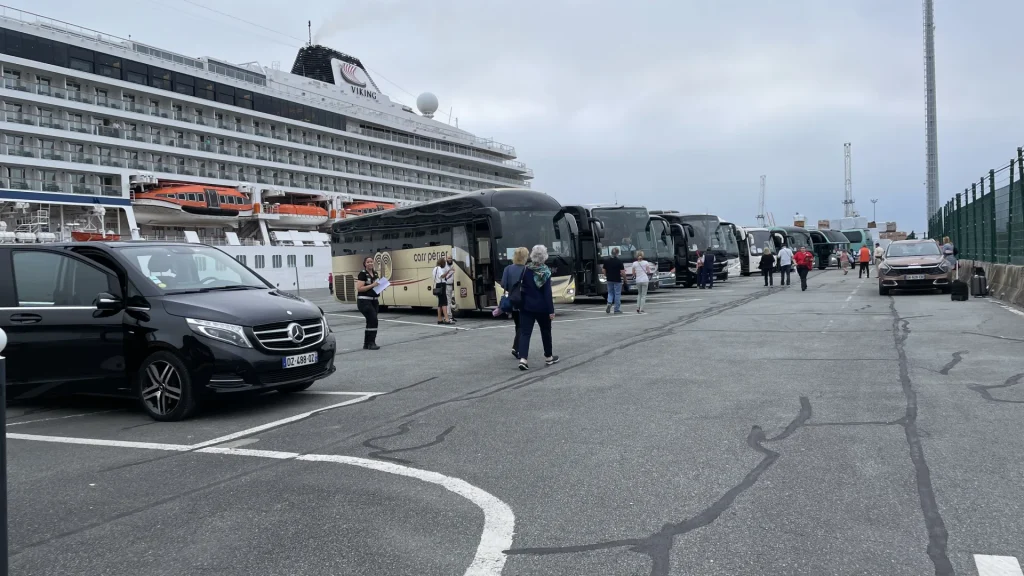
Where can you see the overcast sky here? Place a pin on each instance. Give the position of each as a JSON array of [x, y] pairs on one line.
[[677, 104]]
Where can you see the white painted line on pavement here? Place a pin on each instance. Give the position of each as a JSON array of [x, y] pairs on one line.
[[499, 521], [99, 442], [333, 393], [62, 417], [426, 324], [1012, 309], [281, 422], [997, 565]]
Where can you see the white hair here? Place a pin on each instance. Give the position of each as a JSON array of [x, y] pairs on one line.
[[539, 254]]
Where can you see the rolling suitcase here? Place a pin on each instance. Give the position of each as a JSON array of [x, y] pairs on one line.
[[979, 283], [958, 289]]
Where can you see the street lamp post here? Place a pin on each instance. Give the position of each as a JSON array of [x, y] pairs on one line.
[[873, 216]]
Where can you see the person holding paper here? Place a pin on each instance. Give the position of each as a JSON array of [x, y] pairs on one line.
[[367, 303]]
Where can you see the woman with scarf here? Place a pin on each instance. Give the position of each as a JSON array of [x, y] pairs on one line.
[[538, 307]]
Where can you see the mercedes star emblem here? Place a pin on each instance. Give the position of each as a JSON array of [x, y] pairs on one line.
[[296, 333]]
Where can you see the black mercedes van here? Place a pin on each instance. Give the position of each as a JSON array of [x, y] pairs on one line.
[[168, 323]]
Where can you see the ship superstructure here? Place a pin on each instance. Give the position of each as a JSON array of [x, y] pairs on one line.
[[159, 140]]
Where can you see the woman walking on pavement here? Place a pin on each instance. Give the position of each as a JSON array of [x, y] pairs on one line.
[[441, 291], [844, 261], [767, 267], [366, 302], [538, 307], [513, 272], [804, 262], [642, 275]]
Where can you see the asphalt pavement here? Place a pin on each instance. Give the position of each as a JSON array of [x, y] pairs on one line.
[[734, 431]]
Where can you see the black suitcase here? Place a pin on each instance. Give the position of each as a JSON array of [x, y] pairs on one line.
[[958, 291], [979, 283]]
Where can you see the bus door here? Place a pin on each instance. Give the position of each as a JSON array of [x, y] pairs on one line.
[[587, 243]]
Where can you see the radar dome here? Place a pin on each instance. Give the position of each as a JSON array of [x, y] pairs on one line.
[[427, 103]]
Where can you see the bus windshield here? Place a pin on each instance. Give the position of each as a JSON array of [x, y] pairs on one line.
[[732, 247], [627, 229], [527, 228], [799, 238], [707, 233], [662, 240], [759, 240]]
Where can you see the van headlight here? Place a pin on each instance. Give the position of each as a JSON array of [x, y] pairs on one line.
[[230, 333], [323, 320]]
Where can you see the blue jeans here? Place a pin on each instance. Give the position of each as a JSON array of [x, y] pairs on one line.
[[615, 295]]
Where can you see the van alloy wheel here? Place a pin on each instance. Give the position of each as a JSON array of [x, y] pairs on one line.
[[162, 387]]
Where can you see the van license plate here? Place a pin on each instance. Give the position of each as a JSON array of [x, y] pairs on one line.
[[915, 276], [299, 360]]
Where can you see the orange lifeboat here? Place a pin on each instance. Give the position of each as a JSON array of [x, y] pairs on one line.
[[180, 204], [94, 237]]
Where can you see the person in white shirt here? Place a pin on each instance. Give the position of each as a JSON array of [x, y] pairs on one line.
[[785, 265], [450, 288], [441, 291], [642, 274], [879, 254]]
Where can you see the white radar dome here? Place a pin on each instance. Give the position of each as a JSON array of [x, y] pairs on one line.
[[427, 104]]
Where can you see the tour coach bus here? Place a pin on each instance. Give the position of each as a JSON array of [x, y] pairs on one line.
[[479, 229], [603, 227]]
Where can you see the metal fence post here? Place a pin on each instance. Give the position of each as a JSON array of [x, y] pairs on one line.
[[975, 254], [958, 237], [3, 455], [1009, 218], [992, 214]]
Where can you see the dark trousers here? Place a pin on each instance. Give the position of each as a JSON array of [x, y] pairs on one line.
[[707, 276], [526, 320], [769, 277], [864, 269], [515, 339], [368, 308], [786, 273], [803, 276]]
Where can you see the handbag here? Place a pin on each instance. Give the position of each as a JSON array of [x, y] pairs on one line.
[[515, 293], [440, 289]]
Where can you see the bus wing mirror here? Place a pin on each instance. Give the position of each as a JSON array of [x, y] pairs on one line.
[[678, 231], [570, 220], [690, 231], [598, 227], [493, 219]]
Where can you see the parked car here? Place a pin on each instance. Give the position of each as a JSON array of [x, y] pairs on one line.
[[914, 265], [170, 324]]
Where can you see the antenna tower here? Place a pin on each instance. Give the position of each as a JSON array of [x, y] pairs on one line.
[[760, 204], [309, 30], [931, 126], [848, 210]]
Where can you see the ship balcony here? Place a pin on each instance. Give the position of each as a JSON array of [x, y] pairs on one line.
[[30, 184]]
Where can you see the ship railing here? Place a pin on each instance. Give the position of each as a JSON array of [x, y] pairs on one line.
[[117, 132], [59, 186]]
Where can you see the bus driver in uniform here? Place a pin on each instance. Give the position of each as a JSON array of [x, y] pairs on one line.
[[367, 302]]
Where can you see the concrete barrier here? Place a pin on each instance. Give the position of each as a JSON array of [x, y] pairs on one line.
[[1005, 281]]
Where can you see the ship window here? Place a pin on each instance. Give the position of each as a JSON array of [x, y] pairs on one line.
[[260, 261], [241, 259], [309, 260], [291, 260], [80, 65], [193, 197], [184, 89], [136, 78], [276, 260]]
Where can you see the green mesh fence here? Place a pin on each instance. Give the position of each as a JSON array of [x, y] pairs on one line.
[[986, 221]]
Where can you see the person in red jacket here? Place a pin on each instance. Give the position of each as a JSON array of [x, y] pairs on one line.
[[804, 262]]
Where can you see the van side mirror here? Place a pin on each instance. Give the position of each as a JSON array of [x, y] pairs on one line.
[[108, 302]]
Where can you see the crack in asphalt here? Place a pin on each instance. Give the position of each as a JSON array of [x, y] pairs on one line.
[[957, 357], [382, 453], [937, 535], [984, 390], [658, 546]]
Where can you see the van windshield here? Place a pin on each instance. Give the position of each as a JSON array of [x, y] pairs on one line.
[[190, 268]]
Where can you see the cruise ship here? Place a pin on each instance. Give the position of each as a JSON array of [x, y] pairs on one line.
[[103, 137]]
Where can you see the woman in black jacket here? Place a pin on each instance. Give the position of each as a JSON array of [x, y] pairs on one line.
[[767, 265]]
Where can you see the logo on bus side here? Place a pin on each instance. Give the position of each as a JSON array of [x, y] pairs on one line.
[[382, 263]]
